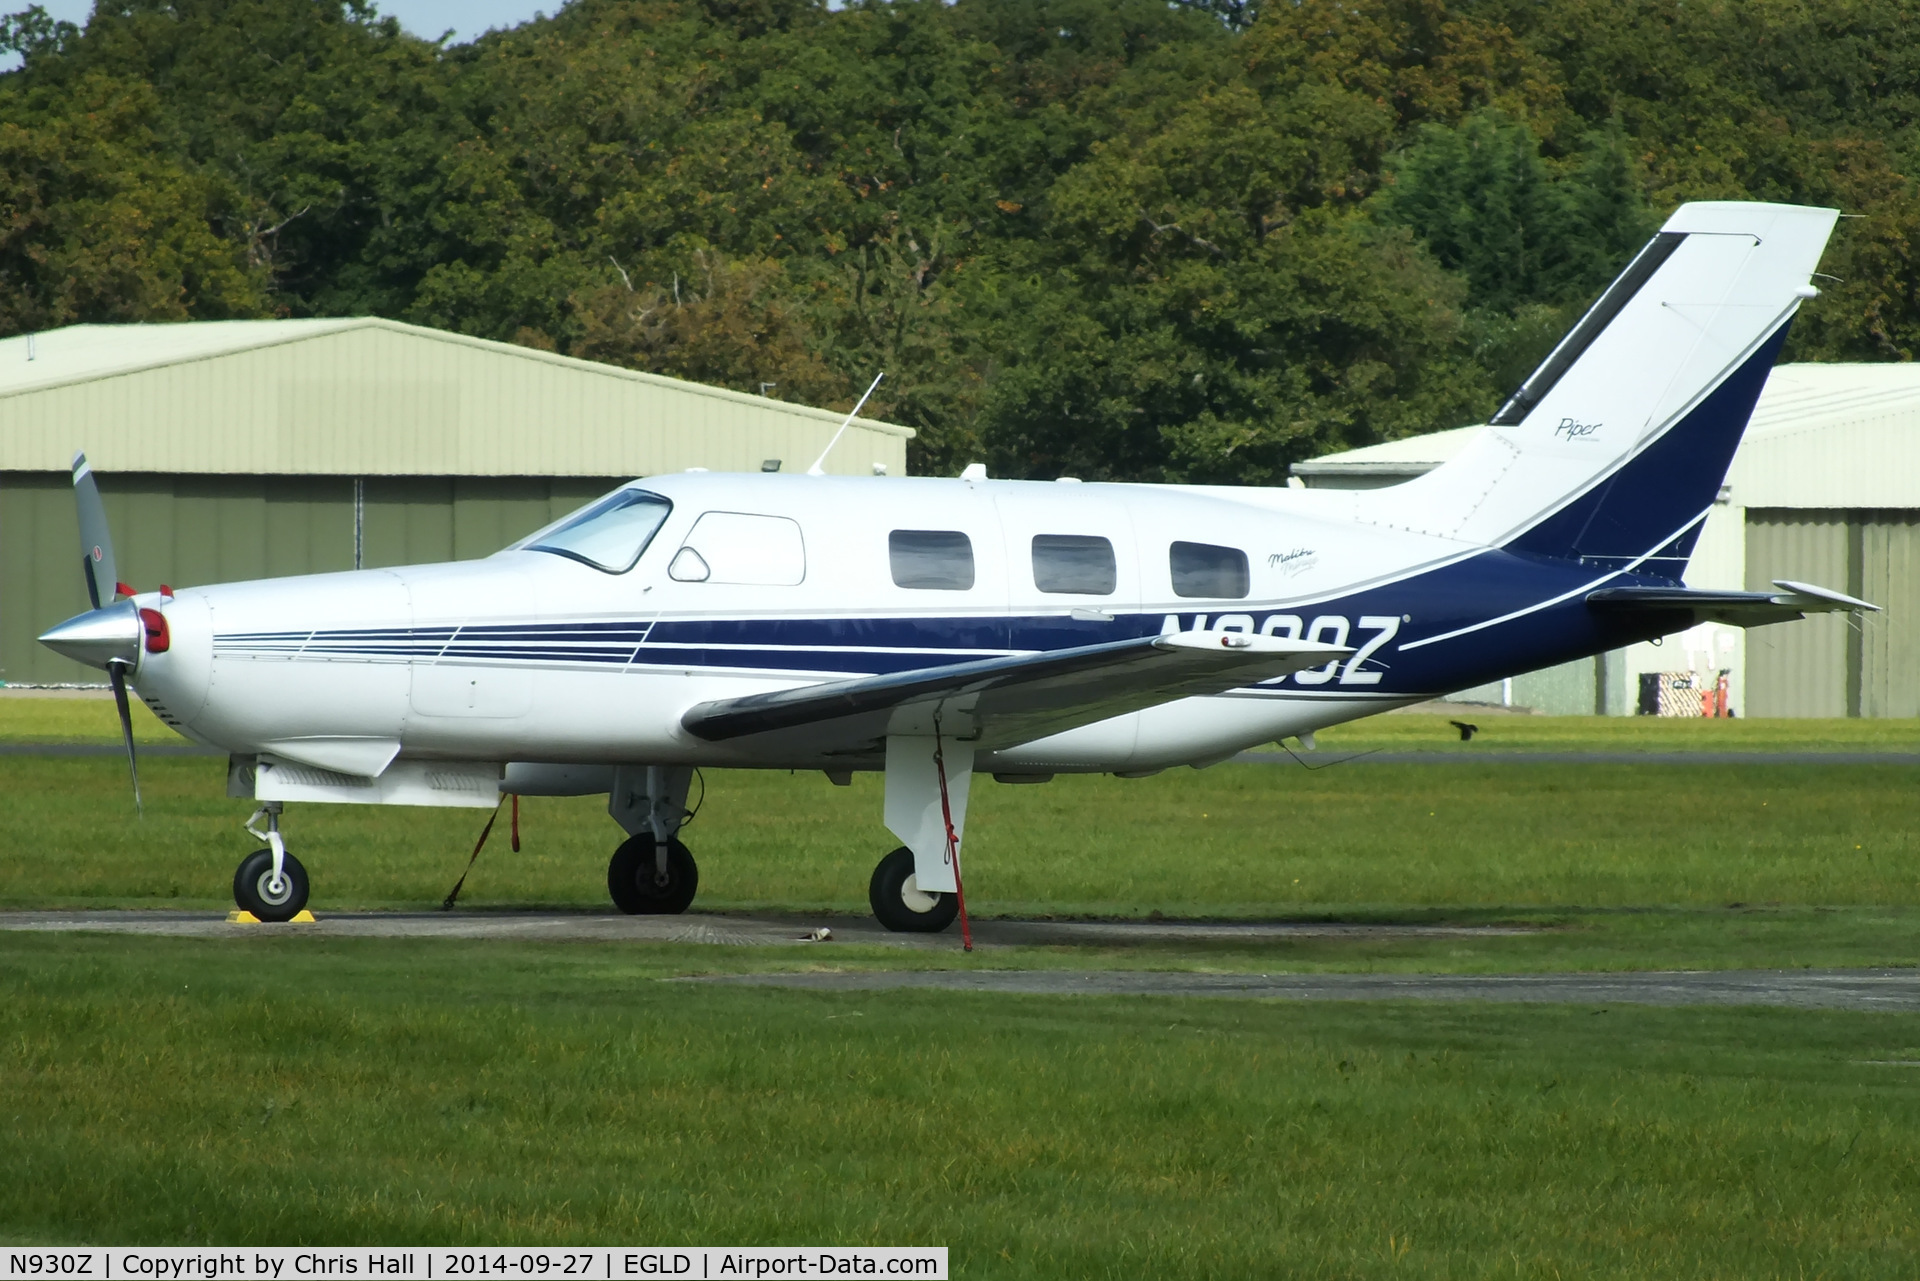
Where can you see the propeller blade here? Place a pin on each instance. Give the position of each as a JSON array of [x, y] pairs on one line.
[[96, 543], [117, 673]]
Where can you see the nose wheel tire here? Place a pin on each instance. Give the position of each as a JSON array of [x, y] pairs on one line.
[[254, 889], [901, 905], [634, 881]]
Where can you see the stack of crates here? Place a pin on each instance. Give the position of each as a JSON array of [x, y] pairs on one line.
[[1683, 694]]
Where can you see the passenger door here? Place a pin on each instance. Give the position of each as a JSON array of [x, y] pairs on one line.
[[1068, 552]]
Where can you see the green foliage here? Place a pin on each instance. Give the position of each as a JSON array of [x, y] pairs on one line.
[[1536, 243], [33, 33], [1113, 239], [1487, 206], [98, 223]]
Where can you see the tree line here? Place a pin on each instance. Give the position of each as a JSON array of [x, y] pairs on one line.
[[1107, 238]]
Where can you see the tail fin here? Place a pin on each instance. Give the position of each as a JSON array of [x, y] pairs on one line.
[[1613, 451]]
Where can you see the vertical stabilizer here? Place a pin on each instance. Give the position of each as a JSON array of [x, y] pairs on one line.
[[1613, 451]]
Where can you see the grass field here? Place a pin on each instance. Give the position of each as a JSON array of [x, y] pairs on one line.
[[248, 1089], [1709, 866], [183, 1091], [1704, 866], [1501, 732]]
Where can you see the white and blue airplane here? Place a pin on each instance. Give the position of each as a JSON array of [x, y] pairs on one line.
[[939, 628]]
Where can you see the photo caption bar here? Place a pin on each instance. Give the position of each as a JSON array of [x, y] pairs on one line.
[[419, 1263]]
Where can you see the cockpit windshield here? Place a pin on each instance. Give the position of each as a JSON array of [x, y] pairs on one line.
[[610, 535]]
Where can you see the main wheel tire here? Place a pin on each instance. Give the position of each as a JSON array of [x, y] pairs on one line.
[[633, 878], [253, 889], [901, 905]]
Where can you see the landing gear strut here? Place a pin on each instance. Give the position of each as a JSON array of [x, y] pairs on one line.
[[916, 889], [270, 883], [652, 873]]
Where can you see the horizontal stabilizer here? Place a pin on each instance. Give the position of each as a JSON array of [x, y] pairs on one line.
[[1736, 609], [1001, 702]]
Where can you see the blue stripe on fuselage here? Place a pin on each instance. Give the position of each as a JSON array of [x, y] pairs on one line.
[[1441, 601]]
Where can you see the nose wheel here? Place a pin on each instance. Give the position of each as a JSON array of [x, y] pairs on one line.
[[256, 890], [901, 905], [651, 874], [270, 883], [644, 884]]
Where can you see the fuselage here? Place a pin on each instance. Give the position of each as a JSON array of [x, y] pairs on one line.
[[532, 655]]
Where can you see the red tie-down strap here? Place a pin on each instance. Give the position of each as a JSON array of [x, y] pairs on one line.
[[953, 841]]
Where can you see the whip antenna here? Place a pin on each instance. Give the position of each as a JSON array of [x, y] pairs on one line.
[[815, 469]]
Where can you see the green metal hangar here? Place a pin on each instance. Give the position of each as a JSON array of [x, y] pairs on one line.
[[246, 449], [1825, 489]]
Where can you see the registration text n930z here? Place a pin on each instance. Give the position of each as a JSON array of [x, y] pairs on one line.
[[74, 1263]]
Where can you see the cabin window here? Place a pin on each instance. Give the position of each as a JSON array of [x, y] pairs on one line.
[[1213, 573], [610, 535], [932, 559], [741, 548], [1076, 564]]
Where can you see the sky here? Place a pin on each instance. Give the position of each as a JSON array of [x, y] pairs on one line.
[[466, 18]]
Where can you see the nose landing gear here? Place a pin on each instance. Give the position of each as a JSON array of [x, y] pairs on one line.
[[270, 883], [643, 883], [652, 873]]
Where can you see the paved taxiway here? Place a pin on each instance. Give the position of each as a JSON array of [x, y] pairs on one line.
[[1880, 990], [736, 929]]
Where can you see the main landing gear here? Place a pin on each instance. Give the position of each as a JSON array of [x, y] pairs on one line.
[[901, 905], [916, 889], [652, 873], [270, 883]]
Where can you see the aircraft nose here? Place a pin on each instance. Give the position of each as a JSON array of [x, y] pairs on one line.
[[98, 637]]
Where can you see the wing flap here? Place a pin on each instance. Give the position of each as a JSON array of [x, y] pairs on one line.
[[1000, 702]]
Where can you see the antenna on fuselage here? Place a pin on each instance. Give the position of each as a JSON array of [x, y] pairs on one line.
[[815, 469]]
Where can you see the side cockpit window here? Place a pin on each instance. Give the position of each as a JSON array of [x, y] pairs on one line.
[[1074, 564], [610, 535], [741, 548], [931, 559], [1207, 572]]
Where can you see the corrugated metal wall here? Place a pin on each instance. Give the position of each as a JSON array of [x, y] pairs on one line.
[[1888, 642], [1797, 669], [1831, 664], [1567, 689], [183, 530]]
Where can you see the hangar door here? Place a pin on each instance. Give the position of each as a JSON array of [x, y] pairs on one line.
[[1834, 665]]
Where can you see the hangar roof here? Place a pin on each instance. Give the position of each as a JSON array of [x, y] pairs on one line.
[[1823, 435], [370, 397]]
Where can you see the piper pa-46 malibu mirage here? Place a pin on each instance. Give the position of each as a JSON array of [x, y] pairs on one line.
[[935, 628]]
